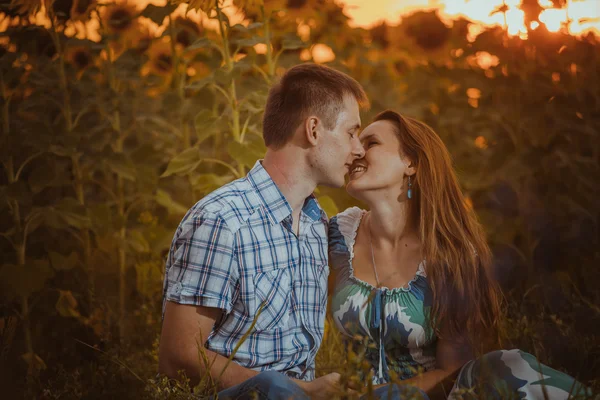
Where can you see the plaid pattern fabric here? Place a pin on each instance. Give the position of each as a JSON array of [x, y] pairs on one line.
[[235, 250]]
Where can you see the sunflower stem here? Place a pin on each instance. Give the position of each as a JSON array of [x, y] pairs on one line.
[[270, 60], [122, 235], [77, 171], [178, 84], [25, 310], [229, 64], [62, 76]]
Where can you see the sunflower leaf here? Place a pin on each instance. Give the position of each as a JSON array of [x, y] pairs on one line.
[[184, 162], [248, 42], [293, 44], [158, 13], [199, 44]]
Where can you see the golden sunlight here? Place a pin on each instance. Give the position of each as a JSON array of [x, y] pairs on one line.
[[583, 15], [578, 17]]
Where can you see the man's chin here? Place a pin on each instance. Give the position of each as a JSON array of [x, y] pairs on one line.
[[334, 183]]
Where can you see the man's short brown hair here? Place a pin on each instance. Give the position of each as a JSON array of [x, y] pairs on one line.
[[303, 90]]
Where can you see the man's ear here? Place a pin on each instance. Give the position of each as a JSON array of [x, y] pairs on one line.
[[312, 129]]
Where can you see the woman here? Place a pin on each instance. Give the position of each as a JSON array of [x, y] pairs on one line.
[[413, 275]]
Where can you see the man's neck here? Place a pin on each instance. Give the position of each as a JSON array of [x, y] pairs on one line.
[[289, 173]]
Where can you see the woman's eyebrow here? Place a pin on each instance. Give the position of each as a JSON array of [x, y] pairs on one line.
[[367, 136]]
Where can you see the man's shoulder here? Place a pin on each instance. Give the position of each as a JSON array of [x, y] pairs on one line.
[[230, 203]]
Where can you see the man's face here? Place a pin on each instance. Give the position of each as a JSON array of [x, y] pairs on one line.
[[339, 146]]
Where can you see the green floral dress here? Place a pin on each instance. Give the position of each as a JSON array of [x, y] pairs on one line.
[[394, 323]]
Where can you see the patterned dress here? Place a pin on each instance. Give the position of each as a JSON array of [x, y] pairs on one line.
[[394, 322]]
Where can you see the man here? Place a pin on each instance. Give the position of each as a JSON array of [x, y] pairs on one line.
[[255, 250]]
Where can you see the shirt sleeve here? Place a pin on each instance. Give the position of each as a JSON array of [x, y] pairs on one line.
[[201, 267]]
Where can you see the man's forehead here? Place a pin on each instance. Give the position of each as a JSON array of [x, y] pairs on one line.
[[351, 111]]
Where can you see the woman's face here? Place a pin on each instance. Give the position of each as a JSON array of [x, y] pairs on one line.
[[383, 168]]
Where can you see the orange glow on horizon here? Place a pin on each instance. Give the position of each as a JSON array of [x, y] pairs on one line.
[[584, 15]]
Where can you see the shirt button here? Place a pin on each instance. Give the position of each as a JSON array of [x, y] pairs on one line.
[[177, 288]]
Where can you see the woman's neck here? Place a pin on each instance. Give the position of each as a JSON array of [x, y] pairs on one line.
[[390, 224]]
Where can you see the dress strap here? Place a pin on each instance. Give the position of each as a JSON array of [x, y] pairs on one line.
[[377, 323]]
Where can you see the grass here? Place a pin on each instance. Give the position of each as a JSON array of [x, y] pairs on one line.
[[565, 339]]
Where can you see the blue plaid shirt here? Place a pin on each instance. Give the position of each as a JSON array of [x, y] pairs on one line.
[[236, 250]]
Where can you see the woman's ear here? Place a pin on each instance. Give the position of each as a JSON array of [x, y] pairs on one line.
[[311, 129], [410, 167]]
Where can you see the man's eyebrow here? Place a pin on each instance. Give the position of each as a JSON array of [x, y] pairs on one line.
[[355, 127]]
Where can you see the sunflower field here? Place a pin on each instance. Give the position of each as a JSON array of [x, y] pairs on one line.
[[118, 116]]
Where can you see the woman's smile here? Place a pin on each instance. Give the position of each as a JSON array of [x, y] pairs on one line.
[[356, 170]]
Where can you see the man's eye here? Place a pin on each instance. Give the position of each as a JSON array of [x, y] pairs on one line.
[[352, 134]]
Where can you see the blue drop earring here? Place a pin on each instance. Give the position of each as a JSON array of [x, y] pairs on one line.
[[409, 192]]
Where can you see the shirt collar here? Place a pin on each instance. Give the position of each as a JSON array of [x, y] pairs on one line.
[[274, 202], [313, 209]]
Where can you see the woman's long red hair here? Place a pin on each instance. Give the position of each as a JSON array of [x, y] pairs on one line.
[[467, 301]]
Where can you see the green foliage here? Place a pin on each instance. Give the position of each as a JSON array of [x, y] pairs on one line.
[[107, 143]]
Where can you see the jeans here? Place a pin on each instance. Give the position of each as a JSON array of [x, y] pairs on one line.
[[397, 392], [272, 385], [268, 385]]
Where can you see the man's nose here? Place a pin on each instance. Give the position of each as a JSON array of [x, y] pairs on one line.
[[358, 151]]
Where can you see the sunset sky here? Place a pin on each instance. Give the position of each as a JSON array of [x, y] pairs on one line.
[[584, 14], [367, 12]]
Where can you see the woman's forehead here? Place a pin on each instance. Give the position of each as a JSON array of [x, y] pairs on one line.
[[380, 128]]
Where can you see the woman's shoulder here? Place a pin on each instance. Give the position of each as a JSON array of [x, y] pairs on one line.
[[347, 219], [349, 214], [343, 227]]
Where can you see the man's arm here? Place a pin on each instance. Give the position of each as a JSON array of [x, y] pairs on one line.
[[200, 271], [185, 329]]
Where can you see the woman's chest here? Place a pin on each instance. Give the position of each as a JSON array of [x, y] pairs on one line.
[[398, 317], [381, 267]]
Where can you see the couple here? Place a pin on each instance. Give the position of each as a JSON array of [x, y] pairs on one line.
[[248, 269]]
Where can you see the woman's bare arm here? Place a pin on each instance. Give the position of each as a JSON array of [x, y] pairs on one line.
[[451, 355]]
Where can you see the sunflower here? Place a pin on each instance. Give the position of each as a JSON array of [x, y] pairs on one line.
[[143, 42], [303, 9], [203, 5], [197, 70], [80, 57], [120, 19], [62, 9], [330, 25], [81, 9], [252, 8], [160, 57], [426, 29], [380, 36], [74, 10], [187, 31], [22, 8]]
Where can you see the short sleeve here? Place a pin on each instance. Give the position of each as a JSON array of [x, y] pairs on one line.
[[201, 268], [337, 244]]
